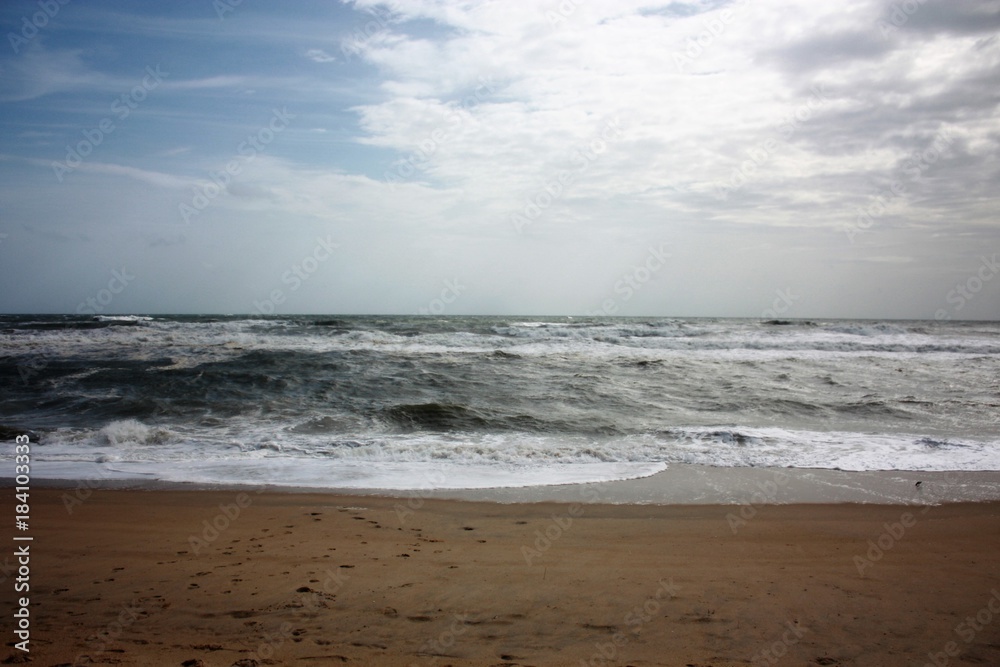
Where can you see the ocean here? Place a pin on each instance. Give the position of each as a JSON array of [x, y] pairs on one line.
[[419, 402]]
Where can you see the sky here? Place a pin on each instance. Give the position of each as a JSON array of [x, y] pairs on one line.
[[752, 158]]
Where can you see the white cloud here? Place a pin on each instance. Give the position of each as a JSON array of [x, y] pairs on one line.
[[751, 135], [319, 56], [690, 128]]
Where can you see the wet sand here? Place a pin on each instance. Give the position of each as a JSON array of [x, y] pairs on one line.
[[158, 577]]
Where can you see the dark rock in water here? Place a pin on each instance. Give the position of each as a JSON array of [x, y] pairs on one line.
[[328, 323], [730, 437], [786, 323], [9, 433], [500, 354]]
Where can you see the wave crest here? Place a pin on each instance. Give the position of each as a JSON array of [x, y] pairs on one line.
[[132, 432]]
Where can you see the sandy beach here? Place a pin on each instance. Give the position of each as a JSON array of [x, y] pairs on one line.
[[132, 577]]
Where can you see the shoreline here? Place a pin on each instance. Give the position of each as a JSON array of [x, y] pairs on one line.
[[136, 577], [679, 484]]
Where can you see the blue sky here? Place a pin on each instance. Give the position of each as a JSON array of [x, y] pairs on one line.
[[743, 158]]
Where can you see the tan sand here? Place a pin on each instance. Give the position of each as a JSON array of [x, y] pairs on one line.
[[330, 580]]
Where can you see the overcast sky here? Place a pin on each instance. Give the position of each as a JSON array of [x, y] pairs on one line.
[[704, 158]]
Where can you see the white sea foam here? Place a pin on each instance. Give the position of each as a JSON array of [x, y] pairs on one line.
[[122, 318], [199, 342], [455, 461], [131, 432]]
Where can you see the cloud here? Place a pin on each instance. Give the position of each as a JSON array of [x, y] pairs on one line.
[[955, 17], [687, 135], [319, 56], [38, 72], [179, 150], [748, 137], [208, 83]]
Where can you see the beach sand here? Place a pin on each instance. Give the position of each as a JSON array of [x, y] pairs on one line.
[[142, 577]]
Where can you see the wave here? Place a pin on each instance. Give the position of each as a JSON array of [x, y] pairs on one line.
[[506, 396], [210, 338], [123, 319], [132, 432], [872, 329], [725, 446]]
